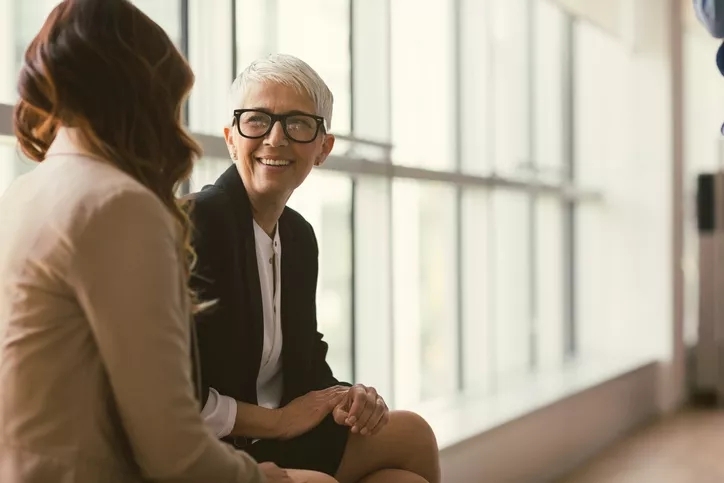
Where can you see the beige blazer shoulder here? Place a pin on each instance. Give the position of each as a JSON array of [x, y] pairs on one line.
[[94, 335]]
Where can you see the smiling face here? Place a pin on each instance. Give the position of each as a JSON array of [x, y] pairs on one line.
[[273, 166]]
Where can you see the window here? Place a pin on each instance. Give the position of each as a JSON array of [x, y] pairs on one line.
[[511, 72], [325, 200], [601, 104], [443, 268], [206, 171], [511, 268], [423, 118], [549, 272], [549, 84], [477, 128], [373, 294], [20, 22], [478, 347], [166, 13], [425, 291], [623, 247], [210, 56]]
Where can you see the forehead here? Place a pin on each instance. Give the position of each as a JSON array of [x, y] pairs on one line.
[[277, 98]]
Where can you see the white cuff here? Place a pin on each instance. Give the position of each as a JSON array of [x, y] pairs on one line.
[[219, 413]]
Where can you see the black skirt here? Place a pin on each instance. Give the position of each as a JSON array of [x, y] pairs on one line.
[[321, 449]]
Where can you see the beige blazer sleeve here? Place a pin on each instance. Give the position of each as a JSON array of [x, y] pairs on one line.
[[126, 274]]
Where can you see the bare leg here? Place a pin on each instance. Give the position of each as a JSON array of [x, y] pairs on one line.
[[406, 443], [306, 476], [393, 476]]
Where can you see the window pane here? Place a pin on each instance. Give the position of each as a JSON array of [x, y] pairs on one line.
[[373, 284], [206, 171], [20, 22], [371, 69], [511, 282], [548, 90], [166, 13], [210, 57], [325, 200], [592, 309], [22, 19], [424, 290], [478, 341], [423, 121], [549, 270], [265, 27], [602, 85], [510, 85], [477, 131]]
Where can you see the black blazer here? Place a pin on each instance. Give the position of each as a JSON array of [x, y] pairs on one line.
[[230, 334]]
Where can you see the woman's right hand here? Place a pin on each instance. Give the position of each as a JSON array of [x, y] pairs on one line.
[[274, 474], [306, 412]]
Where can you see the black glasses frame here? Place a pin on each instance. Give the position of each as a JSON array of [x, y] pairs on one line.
[[281, 118]]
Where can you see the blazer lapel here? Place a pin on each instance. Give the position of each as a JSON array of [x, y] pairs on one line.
[[253, 321]]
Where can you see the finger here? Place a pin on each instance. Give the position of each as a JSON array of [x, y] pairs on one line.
[[336, 400], [383, 420], [369, 410], [375, 418], [372, 423], [359, 400], [340, 415], [330, 391]]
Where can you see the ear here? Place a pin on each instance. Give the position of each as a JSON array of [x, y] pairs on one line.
[[228, 137], [327, 145]]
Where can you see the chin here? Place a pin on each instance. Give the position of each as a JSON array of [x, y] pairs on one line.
[[274, 190]]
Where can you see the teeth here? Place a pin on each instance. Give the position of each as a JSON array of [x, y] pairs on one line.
[[275, 162]]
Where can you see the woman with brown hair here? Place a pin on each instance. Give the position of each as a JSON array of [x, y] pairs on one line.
[[95, 374]]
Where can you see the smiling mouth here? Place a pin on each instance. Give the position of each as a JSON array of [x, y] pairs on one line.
[[277, 163]]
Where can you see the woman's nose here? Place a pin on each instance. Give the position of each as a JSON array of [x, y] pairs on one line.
[[276, 136]]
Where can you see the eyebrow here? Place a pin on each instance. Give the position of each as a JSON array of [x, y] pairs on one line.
[[292, 112]]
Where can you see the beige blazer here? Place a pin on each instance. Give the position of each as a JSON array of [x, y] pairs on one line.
[[95, 372]]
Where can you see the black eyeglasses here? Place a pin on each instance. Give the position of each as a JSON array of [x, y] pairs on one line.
[[299, 127]]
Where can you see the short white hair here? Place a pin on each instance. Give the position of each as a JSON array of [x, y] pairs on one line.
[[286, 70]]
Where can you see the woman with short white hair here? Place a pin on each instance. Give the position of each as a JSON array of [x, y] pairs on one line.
[[267, 386]]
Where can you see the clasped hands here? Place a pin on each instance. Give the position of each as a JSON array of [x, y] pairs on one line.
[[358, 407]]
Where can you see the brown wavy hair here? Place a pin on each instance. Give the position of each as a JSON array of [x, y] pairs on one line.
[[105, 69]]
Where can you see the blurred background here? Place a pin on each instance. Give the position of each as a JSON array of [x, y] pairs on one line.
[[507, 224]]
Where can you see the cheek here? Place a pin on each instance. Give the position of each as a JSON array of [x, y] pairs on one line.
[[306, 154], [247, 147]]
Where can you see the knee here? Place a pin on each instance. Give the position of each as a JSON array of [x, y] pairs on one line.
[[305, 476], [421, 452], [416, 431], [324, 478]]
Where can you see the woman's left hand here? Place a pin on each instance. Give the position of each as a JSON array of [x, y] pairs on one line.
[[363, 410]]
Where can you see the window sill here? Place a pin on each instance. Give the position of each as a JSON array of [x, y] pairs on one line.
[[467, 416]]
